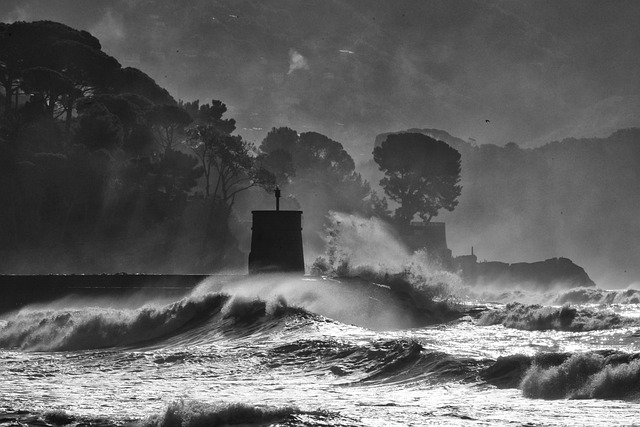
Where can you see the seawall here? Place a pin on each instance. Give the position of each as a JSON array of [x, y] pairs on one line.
[[16, 291]]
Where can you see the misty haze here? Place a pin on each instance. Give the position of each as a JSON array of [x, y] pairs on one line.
[[339, 212]]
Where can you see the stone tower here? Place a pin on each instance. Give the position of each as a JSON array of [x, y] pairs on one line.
[[276, 241]]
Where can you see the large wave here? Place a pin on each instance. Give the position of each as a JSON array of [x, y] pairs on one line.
[[585, 376], [565, 318], [598, 296], [367, 249], [193, 318], [192, 413], [231, 308], [388, 304], [602, 374]]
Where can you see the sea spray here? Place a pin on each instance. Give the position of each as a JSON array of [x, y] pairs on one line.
[[368, 248], [97, 327], [357, 245], [357, 300], [354, 243]]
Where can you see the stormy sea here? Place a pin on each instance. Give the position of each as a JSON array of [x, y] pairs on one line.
[[387, 341]]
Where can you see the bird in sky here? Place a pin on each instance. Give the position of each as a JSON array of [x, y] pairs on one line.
[[487, 121]]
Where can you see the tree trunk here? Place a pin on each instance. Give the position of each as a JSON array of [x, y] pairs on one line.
[[68, 117], [8, 98]]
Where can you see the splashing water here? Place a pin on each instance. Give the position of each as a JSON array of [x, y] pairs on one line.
[[368, 248], [355, 243]]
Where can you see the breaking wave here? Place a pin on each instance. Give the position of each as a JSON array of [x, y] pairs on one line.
[[191, 319], [540, 318], [585, 376], [598, 296], [361, 247], [367, 250], [194, 413], [602, 374]]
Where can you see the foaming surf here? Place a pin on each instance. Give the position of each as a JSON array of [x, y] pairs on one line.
[[602, 374], [193, 319], [241, 306], [598, 296], [565, 318], [192, 413], [379, 303], [585, 376]]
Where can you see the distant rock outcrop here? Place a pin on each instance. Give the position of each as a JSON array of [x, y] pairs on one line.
[[543, 274]]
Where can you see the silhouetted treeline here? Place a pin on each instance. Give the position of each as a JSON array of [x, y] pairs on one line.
[[95, 173], [101, 170]]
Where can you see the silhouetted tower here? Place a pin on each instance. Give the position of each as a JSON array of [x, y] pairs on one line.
[[276, 241]]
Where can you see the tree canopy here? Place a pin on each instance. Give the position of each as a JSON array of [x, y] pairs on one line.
[[53, 63], [319, 174], [307, 154], [422, 175], [210, 114], [89, 149], [228, 161]]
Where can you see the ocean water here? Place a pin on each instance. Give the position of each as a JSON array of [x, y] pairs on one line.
[[312, 351]]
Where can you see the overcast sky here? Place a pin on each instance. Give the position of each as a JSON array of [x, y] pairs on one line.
[[537, 70]]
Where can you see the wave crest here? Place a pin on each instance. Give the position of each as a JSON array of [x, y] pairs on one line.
[[601, 374], [598, 296], [93, 327], [192, 413], [539, 318], [585, 376], [385, 361]]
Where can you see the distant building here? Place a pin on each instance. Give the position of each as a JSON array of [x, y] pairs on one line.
[[467, 267], [431, 237]]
